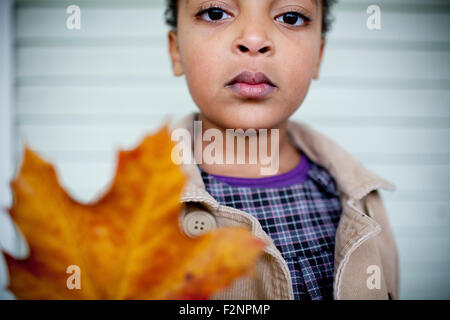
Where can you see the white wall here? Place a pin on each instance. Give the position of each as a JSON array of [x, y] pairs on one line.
[[6, 101], [81, 94]]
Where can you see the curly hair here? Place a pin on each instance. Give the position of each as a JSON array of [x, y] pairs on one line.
[[171, 13]]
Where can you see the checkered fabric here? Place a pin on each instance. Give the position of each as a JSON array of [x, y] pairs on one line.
[[301, 218]]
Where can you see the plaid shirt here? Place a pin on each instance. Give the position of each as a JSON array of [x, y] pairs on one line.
[[300, 211]]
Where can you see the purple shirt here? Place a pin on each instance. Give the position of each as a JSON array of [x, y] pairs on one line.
[[297, 175]]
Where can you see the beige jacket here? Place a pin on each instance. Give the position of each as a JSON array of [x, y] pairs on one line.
[[366, 257]]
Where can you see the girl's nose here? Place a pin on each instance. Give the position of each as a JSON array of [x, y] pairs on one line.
[[253, 49], [253, 41]]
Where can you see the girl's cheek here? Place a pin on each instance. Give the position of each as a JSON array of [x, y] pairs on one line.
[[299, 70], [201, 58]]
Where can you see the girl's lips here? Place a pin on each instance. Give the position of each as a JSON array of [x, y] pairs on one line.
[[257, 90]]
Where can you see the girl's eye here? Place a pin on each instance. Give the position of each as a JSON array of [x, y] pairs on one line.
[[213, 14], [293, 18]]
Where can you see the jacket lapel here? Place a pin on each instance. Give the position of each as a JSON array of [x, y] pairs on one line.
[[351, 176]]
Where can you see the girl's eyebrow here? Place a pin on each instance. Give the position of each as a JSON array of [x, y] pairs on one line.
[[314, 2]]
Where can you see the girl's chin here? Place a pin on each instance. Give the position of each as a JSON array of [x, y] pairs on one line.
[[255, 120]]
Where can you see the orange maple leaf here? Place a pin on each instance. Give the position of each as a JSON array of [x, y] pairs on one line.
[[128, 243]]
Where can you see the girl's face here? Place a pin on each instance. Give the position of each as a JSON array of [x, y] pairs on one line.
[[280, 38]]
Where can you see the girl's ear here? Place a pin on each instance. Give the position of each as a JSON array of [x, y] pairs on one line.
[[322, 47], [175, 56]]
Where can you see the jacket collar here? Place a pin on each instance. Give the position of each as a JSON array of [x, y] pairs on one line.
[[352, 178]]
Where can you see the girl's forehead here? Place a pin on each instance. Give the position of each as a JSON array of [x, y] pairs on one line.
[[314, 2]]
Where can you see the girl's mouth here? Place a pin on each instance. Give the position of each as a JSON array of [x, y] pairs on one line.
[[254, 91], [251, 85]]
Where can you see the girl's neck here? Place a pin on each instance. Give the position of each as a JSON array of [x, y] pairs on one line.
[[288, 155]]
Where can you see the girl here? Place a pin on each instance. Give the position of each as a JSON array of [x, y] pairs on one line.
[[248, 66]]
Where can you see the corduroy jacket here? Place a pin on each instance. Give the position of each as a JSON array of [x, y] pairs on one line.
[[366, 256]]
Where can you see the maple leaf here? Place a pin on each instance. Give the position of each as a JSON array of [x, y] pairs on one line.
[[127, 243]]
